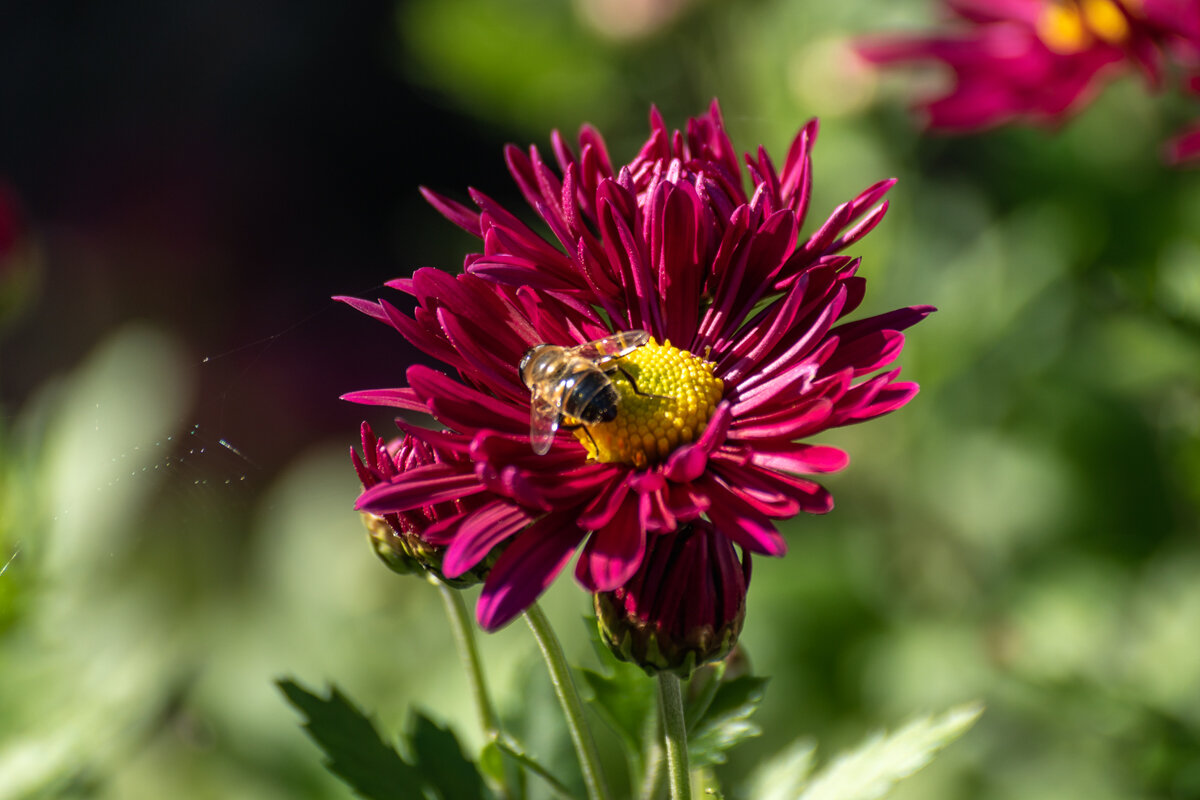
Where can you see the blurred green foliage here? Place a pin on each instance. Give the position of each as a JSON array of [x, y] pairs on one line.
[[1025, 533]]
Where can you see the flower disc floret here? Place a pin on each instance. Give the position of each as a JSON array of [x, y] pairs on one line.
[[675, 397]]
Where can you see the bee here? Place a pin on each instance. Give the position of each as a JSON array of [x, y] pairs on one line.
[[574, 382]]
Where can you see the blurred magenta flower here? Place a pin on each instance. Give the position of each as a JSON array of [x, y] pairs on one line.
[[749, 354], [1041, 60]]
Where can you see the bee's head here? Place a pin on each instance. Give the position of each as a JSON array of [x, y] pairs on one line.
[[526, 360]]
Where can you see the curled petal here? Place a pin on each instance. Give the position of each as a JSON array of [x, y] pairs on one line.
[[527, 566], [687, 463], [479, 532], [423, 486], [750, 529], [613, 553]]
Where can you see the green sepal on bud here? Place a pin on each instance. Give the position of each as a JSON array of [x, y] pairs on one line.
[[656, 649], [408, 554], [389, 545]]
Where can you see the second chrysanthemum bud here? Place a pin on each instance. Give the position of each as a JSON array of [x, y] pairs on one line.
[[683, 608]]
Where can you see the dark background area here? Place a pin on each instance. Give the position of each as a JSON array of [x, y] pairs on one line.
[[221, 169]]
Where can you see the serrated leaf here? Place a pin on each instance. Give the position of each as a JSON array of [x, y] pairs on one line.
[[870, 771], [701, 689], [354, 750], [439, 760], [783, 775], [726, 721], [623, 701]]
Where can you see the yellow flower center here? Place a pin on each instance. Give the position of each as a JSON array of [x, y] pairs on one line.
[[676, 395], [1068, 27], [1106, 19]]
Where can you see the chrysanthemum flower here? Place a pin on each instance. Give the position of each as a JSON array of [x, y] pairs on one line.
[[1041, 60], [750, 353]]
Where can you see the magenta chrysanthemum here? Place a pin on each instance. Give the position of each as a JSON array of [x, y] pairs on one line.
[[1041, 60], [747, 331]]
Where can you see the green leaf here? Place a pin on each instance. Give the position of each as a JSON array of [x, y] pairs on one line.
[[353, 748], [491, 763], [622, 696], [440, 761], [624, 701], [726, 720], [783, 776], [870, 771], [702, 688]]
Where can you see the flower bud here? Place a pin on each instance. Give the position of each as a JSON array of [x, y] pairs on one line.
[[389, 545], [684, 607], [398, 539]]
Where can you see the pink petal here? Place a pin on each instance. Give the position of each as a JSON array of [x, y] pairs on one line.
[[804, 458], [614, 552], [480, 532], [423, 486], [606, 504], [460, 215], [687, 463], [403, 397], [526, 567], [365, 306], [735, 519]]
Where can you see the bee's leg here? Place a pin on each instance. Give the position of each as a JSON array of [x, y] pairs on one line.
[[595, 447], [633, 383]]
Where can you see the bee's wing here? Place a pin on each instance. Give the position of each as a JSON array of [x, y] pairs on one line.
[[613, 346], [543, 422]]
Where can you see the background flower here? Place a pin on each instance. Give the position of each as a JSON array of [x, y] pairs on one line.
[[1042, 60]]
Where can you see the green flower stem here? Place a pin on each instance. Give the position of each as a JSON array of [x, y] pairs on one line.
[[670, 705], [464, 638], [513, 751], [568, 697]]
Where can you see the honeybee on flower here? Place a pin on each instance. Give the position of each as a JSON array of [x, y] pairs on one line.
[[575, 382]]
